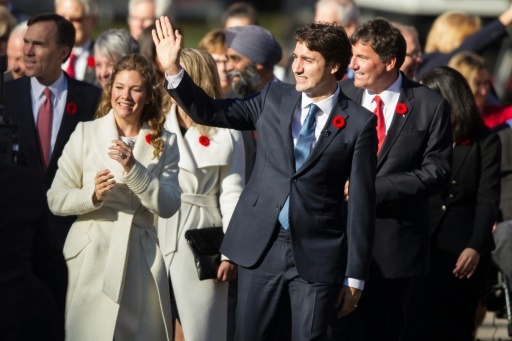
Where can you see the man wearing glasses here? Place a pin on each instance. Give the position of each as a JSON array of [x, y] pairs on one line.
[[141, 14], [83, 14]]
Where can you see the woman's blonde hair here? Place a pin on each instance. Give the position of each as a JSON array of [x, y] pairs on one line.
[[152, 111], [202, 68], [468, 64], [449, 30]]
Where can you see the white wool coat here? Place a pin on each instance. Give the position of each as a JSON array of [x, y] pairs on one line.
[[118, 284], [211, 179]]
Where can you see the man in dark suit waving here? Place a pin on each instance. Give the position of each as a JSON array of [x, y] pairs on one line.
[[47, 104], [292, 235], [414, 161]]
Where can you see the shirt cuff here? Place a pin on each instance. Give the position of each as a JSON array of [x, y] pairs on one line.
[[174, 81], [354, 283]]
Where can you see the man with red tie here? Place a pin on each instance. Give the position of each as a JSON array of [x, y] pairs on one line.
[[46, 104], [83, 14], [413, 162]]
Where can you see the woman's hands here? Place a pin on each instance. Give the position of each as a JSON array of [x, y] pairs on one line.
[[466, 264], [103, 183], [122, 153]]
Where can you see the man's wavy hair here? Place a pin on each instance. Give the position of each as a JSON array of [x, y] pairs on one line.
[[152, 112], [384, 38], [331, 41]]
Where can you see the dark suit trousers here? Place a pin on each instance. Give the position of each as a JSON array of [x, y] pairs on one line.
[[381, 312], [272, 299]]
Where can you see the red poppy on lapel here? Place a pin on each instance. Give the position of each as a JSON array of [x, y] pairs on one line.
[[465, 142], [204, 140], [71, 108], [338, 122], [91, 62], [401, 109], [148, 138]]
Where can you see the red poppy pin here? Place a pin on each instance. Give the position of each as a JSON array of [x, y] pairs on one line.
[[71, 108], [204, 140], [91, 62], [338, 122], [465, 143], [148, 138], [401, 109]]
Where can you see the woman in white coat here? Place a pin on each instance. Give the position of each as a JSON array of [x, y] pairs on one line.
[[116, 173], [211, 179]]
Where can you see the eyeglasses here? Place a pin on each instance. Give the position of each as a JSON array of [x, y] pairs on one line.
[[144, 21], [414, 54], [78, 20]]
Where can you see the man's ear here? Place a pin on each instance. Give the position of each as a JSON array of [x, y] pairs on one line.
[[259, 67], [334, 68], [390, 64]]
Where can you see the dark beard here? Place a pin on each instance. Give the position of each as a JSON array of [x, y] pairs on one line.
[[248, 80]]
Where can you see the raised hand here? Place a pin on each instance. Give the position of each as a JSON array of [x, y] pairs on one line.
[[168, 45]]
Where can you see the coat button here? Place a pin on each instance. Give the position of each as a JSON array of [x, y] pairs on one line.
[[443, 207], [294, 180], [454, 182], [450, 196], [278, 208]]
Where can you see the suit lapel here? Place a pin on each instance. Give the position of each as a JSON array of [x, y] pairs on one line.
[[288, 105], [74, 99], [329, 131], [398, 123], [460, 153]]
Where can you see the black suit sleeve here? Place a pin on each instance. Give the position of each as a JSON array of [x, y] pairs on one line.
[[488, 195], [361, 204]]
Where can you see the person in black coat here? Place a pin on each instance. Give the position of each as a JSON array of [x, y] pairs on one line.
[[461, 221], [33, 273]]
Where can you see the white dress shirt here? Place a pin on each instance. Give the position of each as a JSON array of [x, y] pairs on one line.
[[389, 100], [82, 54], [59, 94]]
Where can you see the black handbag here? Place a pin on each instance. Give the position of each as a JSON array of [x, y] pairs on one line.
[[205, 245]]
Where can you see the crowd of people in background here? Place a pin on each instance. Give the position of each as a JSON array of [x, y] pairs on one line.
[[362, 180]]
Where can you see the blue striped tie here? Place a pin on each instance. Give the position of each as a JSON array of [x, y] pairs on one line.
[[302, 150]]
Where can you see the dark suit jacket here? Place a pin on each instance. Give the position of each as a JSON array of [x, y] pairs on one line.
[[505, 135], [464, 213], [33, 273], [329, 240], [18, 105], [90, 71], [414, 163]]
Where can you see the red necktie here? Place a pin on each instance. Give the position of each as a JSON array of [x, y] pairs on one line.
[[71, 66], [381, 124], [44, 126]]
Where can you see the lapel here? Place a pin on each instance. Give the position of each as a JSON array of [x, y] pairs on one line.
[[460, 154], [288, 105], [25, 116], [69, 120], [398, 123], [171, 123], [105, 130], [329, 131]]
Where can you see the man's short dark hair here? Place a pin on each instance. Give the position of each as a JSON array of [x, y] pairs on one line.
[[384, 38], [330, 40], [65, 29]]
